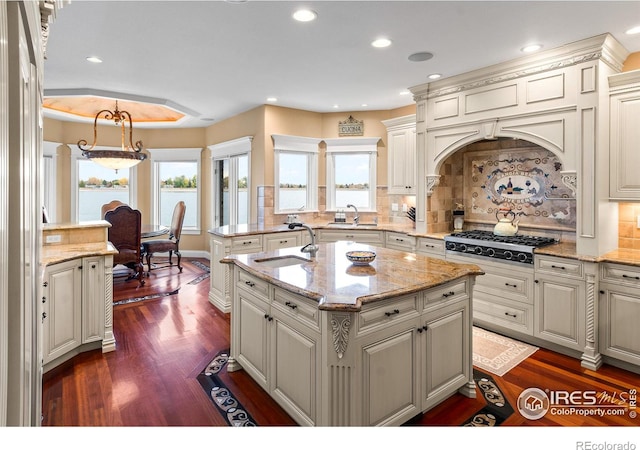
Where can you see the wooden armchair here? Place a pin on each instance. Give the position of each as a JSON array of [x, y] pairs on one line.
[[171, 245], [125, 235], [113, 204]]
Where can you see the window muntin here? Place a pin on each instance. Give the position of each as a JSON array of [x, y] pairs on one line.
[[351, 173], [231, 168], [176, 177], [296, 173]]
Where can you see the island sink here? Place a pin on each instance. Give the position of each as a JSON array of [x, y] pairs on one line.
[[281, 261]]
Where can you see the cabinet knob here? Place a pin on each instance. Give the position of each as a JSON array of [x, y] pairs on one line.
[[44, 315], [45, 284], [93, 266], [425, 328], [44, 299], [536, 281], [601, 291]]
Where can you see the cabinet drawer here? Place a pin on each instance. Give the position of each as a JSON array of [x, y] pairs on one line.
[[513, 315], [300, 308], [400, 241], [620, 273], [514, 286], [246, 244], [450, 291], [256, 286], [430, 246], [380, 314], [559, 266], [361, 236]]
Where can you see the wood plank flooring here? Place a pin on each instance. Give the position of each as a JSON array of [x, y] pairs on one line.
[[164, 342]]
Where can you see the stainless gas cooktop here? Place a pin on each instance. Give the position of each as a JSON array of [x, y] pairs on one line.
[[518, 248]]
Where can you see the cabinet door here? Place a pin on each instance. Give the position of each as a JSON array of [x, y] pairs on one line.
[[93, 302], [619, 332], [62, 309], [560, 311], [253, 320], [389, 368], [219, 279], [402, 161], [295, 362], [625, 135], [445, 353]]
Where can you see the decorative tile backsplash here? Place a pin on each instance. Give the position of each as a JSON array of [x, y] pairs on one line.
[[503, 173], [628, 231]]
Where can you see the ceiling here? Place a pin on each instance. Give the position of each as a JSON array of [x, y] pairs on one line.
[[211, 60]]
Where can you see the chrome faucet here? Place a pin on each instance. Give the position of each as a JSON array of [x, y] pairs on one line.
[[311, 248], [356, 218]]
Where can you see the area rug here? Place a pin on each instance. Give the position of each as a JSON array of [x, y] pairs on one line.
[[497, 409], [498, 354], [229, 407]]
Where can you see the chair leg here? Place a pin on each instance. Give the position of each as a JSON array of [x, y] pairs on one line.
[[140, 269], [149, 264], [179, 259]]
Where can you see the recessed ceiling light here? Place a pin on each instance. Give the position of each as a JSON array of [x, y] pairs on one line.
[[272, 99], [634, 30], [434, 76], [305, 15], [364, 105], [94, 59], [531, 48], [207, 119], [420, 56], [336, 106], [381, 43], [405, 92]]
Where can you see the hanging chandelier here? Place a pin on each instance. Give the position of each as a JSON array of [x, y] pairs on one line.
[[129, 156]]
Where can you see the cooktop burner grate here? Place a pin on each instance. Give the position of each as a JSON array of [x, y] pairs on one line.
[[530, 241]]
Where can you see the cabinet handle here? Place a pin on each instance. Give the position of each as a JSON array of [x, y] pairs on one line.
[[629, 276], [395, 311], [511, 315], [249, 283], [448, 294], [425, 328], [44, 315], [44, 299], [348, 235], [268, 317], [246, 242], [399, 240], [511, 285], [429, 245], [420, 330], [291, 305], [79, 267], [45, 284], [557, 267]]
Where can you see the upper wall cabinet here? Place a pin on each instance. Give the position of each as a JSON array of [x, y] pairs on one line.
[[624, 95], [401, 148]]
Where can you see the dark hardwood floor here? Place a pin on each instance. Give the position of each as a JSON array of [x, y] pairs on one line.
[[165, 341]]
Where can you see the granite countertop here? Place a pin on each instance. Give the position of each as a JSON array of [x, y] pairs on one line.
[[53, 254], [336, 284], [622, 256], [74, 225]]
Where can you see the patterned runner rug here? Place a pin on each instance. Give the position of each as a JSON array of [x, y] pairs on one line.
[[498, 354]]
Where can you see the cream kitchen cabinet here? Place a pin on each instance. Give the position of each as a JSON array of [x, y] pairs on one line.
[[400, 241], [560, 301], [73, 308], [371, 237], [624, 135], [275, 241], [619, 312], [401, 151], [430, 247], [278, 345]]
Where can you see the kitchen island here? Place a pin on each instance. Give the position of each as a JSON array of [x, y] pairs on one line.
[[337, 344]]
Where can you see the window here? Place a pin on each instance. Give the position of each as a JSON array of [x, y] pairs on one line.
[[48, 185], [296, 173], [351, 173], [94, 185], [230, 191], [176, 176]]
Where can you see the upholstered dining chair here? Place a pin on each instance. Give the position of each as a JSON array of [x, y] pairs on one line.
[[170, 245], [125, 235], [113, 204]]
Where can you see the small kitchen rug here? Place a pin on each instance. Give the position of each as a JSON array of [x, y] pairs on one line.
[[498, 354], [229, 407], [497, 408]]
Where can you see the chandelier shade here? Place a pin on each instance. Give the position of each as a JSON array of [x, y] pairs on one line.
[[130, 155]]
